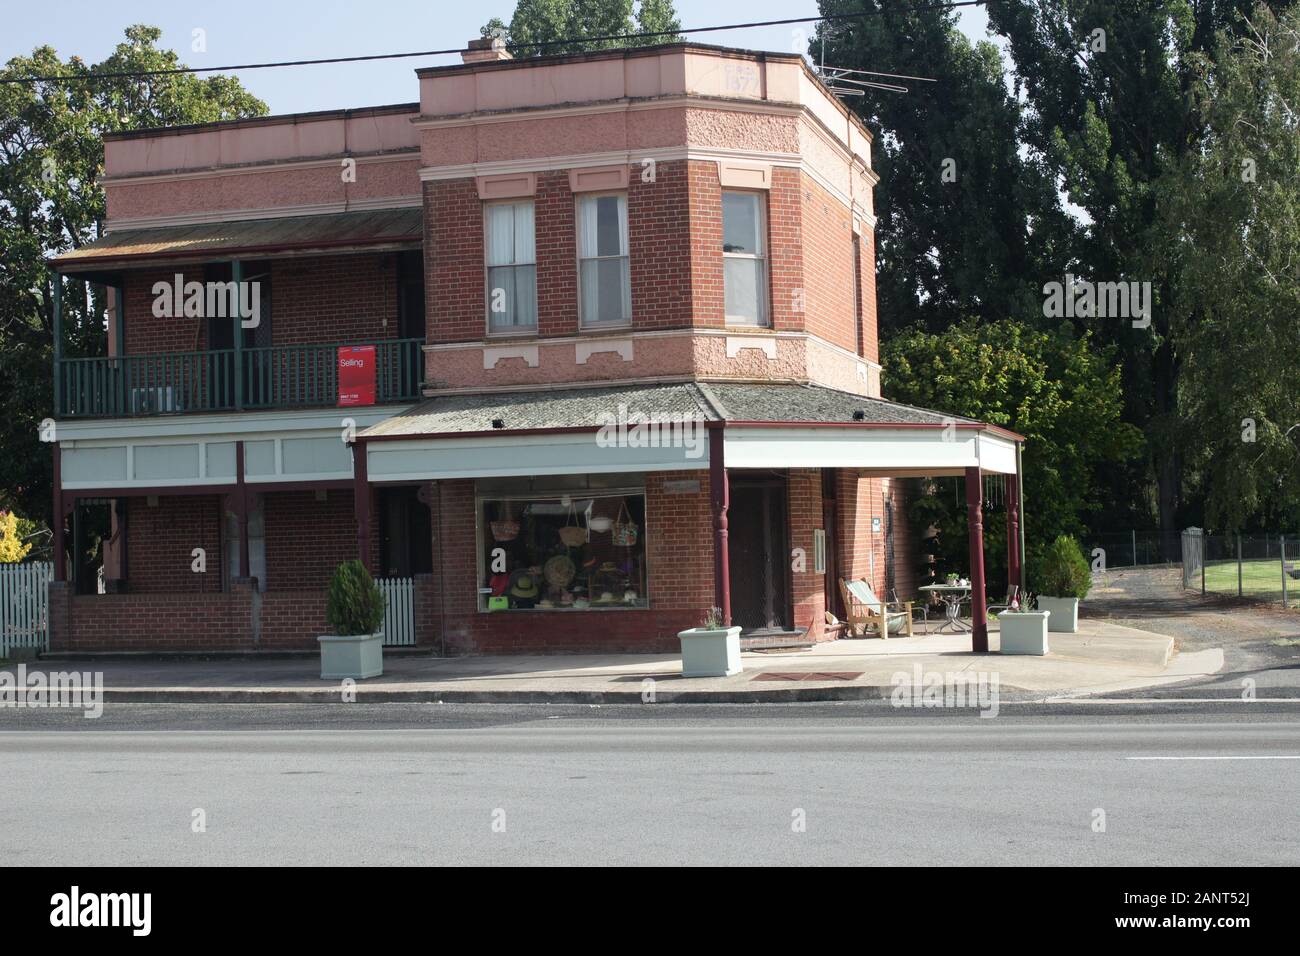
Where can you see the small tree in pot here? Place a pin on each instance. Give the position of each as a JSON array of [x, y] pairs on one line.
[[354, 611], [1063, 578]]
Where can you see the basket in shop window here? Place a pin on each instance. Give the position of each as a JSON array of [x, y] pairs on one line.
[[573, 534], [506, 529], [625, 530]]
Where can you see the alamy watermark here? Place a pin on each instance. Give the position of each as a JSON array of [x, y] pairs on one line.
[[57, 690], [625, 429], [963, 689], [208, 300], [1085, 299]]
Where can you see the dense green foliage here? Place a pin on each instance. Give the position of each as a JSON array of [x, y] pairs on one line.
[[1062, 571], [542, 21], [51, 201], [1060, 391], [1107, 141], [355, 605]]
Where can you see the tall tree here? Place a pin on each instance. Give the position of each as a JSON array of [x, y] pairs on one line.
[[51, 161], [969, 223], [1109, 89], [537, 22], [1059, 390], [1232, 217]]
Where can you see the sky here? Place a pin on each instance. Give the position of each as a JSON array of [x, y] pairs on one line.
[[244, 31]]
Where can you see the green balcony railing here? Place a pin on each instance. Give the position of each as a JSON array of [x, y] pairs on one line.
[[287, 376]]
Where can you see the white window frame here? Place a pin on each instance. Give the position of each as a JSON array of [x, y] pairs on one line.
[[488, 266], [762, 295], [625, 228]]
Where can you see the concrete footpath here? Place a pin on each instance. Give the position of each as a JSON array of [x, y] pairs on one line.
[[1101, 658]]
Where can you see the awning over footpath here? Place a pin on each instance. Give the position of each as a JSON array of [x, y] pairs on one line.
[[662, 427], [249, 238]]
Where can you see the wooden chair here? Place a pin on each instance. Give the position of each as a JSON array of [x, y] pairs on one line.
[[866, 611]]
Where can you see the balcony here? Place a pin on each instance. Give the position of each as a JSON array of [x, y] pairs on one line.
[[250, 379]]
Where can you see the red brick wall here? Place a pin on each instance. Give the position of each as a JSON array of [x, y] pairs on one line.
[[334, 299], [146, 333], [161, 539], [680, 571], [786, 249], [704, 202], [319, 299], [907, 574], [151, 622], [867, 307], [307, 539], [861, 552], [454, 286], [804, 494], [827, 266], [556, 249], [660, 247]]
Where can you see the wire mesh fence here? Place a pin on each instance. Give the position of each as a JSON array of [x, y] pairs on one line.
[[1263, 567], [1128, 549]]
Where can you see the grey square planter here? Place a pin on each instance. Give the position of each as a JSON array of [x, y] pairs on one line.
[[710, 652], [1024, 632], [357, 656], [1065, 613]]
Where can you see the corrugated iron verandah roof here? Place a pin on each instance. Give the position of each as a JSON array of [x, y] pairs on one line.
[[331, 232]]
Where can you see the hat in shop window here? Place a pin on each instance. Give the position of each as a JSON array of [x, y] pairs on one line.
[[523, 584]]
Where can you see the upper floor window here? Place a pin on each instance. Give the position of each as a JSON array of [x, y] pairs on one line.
[[604, 276], [512, 266], [744, 258]]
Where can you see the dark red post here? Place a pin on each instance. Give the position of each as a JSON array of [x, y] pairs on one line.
[[361, 497], [1013, 534], [979, 624], [56, 526], [241, 512], [720, 494]]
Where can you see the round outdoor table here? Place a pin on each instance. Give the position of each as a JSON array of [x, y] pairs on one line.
[[952, 595]]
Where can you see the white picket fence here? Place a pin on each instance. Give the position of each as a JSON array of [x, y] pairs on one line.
[[399, 615], [25, 605]]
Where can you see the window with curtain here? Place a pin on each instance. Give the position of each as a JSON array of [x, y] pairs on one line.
[[744, 259], [512, 267], [604, 275]]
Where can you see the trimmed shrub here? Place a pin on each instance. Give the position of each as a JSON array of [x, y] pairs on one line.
[[1063, 570], [355, 604]]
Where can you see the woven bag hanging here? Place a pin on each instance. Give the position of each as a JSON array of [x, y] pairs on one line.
[[625, 530]]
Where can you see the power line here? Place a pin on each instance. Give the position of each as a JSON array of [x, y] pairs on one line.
[[172, 71]]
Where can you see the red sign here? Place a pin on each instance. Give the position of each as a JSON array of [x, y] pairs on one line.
[[356, 375]]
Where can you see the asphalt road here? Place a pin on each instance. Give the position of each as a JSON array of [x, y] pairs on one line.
[[792, 784]]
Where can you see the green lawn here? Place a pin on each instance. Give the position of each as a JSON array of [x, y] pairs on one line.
[[1257, 577]]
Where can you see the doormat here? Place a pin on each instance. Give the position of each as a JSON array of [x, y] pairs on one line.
[[807, 675]]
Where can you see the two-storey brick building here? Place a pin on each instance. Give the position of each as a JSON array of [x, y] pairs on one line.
[[568, 352]]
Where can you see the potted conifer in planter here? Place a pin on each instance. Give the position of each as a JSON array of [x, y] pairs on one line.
[[354, 612], [1063, 579], [712, 649]]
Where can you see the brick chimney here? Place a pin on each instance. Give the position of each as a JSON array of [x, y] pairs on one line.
[[485, 50]]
